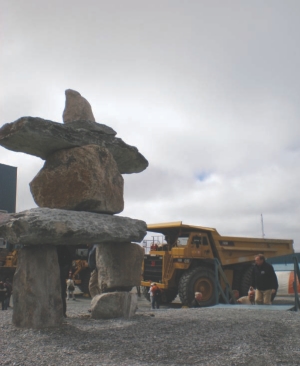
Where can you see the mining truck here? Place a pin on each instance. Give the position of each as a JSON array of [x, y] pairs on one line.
[[183, 261], [79, 269], [8, 263]]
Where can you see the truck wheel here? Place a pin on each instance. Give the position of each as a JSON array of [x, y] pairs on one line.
[[168, 296], [246, 281], [197, 279], [145, 292]]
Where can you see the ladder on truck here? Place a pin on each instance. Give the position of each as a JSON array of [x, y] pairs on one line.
[[227, 295]]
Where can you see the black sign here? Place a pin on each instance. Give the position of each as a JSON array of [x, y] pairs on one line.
[[8, 188]]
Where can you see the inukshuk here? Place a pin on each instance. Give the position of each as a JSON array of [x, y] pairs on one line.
[[78, 191]]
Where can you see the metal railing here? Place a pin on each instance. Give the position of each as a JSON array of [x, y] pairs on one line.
[[227, 296], [295, 283]]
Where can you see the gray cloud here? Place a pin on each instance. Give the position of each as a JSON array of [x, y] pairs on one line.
[[204, 89]]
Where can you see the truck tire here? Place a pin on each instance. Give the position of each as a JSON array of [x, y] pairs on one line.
[[145, 291], [168, 296], [246, 281], [197, 279]]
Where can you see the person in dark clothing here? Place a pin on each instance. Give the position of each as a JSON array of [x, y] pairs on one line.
[[8, 287], [156, 295], [65, 264], [196, 303], [3, 295], [264, 280]]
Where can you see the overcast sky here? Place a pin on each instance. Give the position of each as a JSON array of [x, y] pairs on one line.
[[207, 90]]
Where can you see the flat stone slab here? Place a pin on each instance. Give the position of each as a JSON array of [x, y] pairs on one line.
[[45, 226], [41, 138]]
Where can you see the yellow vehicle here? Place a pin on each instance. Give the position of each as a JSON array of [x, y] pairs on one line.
[[8, 264], [80, 269], [81, 274], [184, 262]]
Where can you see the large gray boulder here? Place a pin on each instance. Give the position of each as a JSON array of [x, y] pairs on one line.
[[82, 179], [37, 293], [114, 305], [77, 107], [46, 226], [39, 137], [119, 266]]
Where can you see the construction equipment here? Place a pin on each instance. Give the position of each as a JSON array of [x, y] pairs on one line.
[[80, 269], [8, 264], [81, 274], [183, 263]]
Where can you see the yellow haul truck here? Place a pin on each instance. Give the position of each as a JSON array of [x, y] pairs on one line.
[[8, 264], [80, 269], [185, 261]]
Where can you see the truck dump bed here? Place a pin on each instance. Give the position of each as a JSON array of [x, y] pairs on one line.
[[229, 250]]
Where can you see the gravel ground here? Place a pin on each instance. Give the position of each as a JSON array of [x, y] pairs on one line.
[[162, 337]]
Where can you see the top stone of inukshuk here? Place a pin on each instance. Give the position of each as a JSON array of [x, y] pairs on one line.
[[77, 108], [84, 159]]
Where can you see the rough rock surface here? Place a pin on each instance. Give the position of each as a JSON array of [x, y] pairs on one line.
[[77, 107], [119, 266], [114, 305], [36, 293], [4, 217], [39, 137], [41, 226], [91, 126], [82, 179]]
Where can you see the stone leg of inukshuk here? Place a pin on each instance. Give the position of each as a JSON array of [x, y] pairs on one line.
[[119, 269], [37, 295]]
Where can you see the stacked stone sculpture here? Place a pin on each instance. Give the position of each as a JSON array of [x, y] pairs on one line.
[[78, 191]]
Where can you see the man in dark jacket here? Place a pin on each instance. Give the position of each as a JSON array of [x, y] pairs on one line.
[[264, 280]]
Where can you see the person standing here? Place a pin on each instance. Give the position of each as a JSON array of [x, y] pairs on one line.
[[156, 294], [3, 295], [65, 264], [70, 288], [8, 285], [150, 294], [264, 280]]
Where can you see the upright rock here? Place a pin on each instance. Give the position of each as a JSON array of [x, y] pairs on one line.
[[119, 266], [81, 179], [76, 108], [37, 295]]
